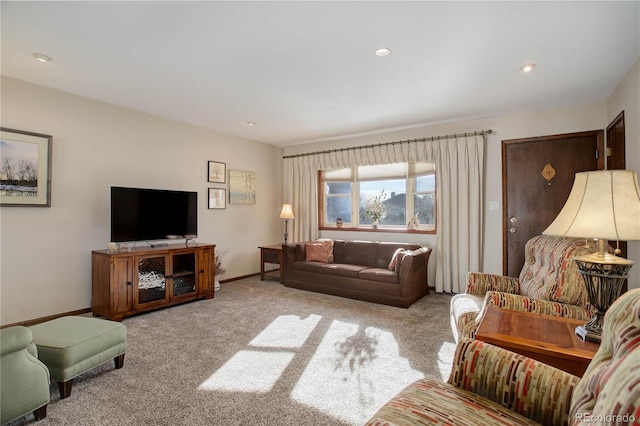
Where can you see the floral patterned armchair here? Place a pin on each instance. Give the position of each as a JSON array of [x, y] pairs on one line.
[[549, 284], [492, 386]]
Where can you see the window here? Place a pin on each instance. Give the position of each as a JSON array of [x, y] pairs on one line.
[[400, 191]]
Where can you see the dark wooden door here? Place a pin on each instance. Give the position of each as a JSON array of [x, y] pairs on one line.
[[537, 176]]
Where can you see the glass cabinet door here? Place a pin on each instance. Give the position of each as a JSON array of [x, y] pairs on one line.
[[184, 274], [152, 281]]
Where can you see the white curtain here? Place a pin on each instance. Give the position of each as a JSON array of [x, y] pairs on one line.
[[459, 164]]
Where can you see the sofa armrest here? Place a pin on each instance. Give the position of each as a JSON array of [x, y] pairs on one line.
[[289, 255], [536, 390], [413, 271], [15, 339], [481, 283]]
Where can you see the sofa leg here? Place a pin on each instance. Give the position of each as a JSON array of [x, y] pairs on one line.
[[119, 361], [65, 388], [40, 413]]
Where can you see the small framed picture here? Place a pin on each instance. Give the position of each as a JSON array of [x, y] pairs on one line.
[[217, 198], [217, 172], [25, 176]]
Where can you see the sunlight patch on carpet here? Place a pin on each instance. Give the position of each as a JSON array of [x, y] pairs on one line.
[[286, 331], [353, 372], [249, 371]]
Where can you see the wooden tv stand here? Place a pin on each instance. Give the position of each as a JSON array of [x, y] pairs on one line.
[[142, 279]]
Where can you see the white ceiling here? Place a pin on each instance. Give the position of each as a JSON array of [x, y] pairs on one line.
[[306, 71]]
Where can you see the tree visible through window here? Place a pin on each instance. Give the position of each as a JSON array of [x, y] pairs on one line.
[[348, 192]]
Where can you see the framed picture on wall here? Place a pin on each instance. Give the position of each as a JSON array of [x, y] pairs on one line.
[[242, 187], [25, 168], [217, 198], [217, 172]]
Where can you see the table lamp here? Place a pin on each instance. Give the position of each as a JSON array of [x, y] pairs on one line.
[[286, 214], [603, 205]]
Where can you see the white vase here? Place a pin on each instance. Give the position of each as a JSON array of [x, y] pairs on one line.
[[216, 285], [375, 224]]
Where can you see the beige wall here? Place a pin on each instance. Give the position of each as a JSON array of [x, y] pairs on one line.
[[46, 252]]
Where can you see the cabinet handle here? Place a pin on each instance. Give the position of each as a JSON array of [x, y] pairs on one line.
[[202, 271], [129, 283]]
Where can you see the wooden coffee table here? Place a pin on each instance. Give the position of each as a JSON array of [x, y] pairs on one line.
[[551, 340]]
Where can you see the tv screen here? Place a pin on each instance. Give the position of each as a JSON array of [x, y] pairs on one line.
[[152, 214]]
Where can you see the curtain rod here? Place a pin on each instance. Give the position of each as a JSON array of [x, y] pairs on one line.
[[430, 139]]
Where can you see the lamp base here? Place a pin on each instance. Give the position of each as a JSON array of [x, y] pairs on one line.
[[604, 276]]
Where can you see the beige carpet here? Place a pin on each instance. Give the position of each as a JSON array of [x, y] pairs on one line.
[[262, 354]]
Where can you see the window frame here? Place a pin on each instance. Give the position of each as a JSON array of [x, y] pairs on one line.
[[411, 187]]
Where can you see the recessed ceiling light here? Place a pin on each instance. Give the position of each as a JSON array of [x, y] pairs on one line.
[[42, 57], [383, 51], [250, 123], [527, 67]]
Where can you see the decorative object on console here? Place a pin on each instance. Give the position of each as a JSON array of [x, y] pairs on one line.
[[414, 223], [603, 205], [217, 198], [26, 168], [375, 209], [286, 214], [339, 222], [216, 172], [219, 269]]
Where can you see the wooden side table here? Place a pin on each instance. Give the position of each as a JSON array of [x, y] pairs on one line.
[[271, 254], [548, 339]]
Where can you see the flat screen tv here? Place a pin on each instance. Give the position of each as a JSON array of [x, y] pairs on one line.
[[139, 214]]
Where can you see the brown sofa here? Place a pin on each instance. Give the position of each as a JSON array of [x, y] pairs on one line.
[[360, 270]]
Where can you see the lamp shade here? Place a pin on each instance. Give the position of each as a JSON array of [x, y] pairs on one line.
[[287, 212], [603, 204]]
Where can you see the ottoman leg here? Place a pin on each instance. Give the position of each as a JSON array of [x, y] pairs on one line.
[[65, 388], [119, 361], [40, 413]]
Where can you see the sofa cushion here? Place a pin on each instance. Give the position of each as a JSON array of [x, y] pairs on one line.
[[379, 274], [316, 252], [356, 253], [337, 269]]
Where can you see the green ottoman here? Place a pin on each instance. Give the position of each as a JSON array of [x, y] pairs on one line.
[[70, 346]]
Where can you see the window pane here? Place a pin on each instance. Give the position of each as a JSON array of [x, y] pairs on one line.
[[338, 188], [424, 205], [394, 200], [426, 183], [338, 202], [338, 207]]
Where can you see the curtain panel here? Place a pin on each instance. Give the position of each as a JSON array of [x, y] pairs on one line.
[[459, 164]]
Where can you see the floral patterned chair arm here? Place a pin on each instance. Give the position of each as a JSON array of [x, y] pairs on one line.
[[516, 302], [480, 283], [533, 389]]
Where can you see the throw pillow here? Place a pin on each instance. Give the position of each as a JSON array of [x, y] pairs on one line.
[[394, 259], [328, 245], [316, 252]]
